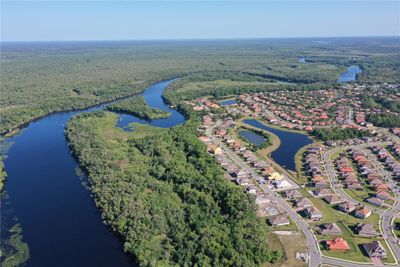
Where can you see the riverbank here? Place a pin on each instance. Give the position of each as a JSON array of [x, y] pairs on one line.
[[136, 106], [62, 206]]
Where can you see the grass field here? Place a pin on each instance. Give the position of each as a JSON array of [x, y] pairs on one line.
[[289, 244], [396, 225], [113, 134]]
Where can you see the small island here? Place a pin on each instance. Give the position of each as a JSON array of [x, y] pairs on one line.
[[136, 106]]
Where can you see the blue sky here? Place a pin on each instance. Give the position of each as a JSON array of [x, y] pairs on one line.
[[128, 20]]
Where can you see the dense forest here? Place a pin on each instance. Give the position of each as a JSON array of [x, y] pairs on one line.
[[167, 197], [327, 134], [384, 119], [41, 78], [136, 106], [380, 102]]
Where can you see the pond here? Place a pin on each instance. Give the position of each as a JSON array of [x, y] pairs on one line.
[[302, 60], [290, 143], [350, 75], [227, 102], [252, 137]]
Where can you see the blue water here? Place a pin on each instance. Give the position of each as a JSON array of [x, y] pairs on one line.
[[227, 102], [290, 144], [350, 75], [59, 219], [152, 97], [302, 60], [252, 137]]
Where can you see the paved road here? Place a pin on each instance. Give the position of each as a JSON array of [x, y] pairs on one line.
[[336, 184], [389, 214], [315, 256], [386, 215]]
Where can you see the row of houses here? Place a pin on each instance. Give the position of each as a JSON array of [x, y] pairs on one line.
[[373, 249], [266, 207], [314, 167], [359, 212], [388, 160], [348, 174], [367, 170], [332, 229], [304, 205]]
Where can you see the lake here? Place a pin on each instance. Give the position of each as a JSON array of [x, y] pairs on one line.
[[227, 102], [302, 60], [59, 219], [252, 137], [350, 75], [290, 143]]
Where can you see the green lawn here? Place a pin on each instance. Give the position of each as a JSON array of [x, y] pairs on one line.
[[290, 227], [397, 223], [289, 245], [113, 134]]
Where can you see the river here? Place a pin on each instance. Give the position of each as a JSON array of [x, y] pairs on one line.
[[290, 143], [59, 219]]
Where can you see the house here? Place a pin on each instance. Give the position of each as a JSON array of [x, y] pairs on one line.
[[375, 250], [329, 229], [322, 192], [252, 189], [317, 178], [375, 182], [366, 229], [375, 201], [204, 139], [293, 194], [282, 184], [216, 150], [354, 186], [244, 181], [333, 199], [321, 184], [279, 220], [303, 203], [313, 213], [276, 176], [337, 244], [380, 187], [346, 207], [362, 213], [382, 195], [262, 199], [268, 171], [239, 173]]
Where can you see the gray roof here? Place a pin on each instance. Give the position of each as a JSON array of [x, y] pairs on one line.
[[279, 220]]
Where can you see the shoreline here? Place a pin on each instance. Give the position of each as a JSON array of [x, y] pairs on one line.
[[21, 126]]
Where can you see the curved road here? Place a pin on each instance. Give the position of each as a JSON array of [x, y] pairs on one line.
[[386, 215], [316, 258]]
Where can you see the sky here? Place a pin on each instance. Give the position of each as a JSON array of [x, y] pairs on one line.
[[134, 20]]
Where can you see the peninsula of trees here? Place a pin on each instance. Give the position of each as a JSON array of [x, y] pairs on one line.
[[167, 197], [136, 106]]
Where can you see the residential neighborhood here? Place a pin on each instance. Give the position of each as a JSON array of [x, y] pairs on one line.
[[340, 190]]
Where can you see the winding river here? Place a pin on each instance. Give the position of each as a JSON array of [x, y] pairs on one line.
[[59, 219], [290, 143]]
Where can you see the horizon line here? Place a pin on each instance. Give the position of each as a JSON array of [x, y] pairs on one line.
[[200, 39]]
